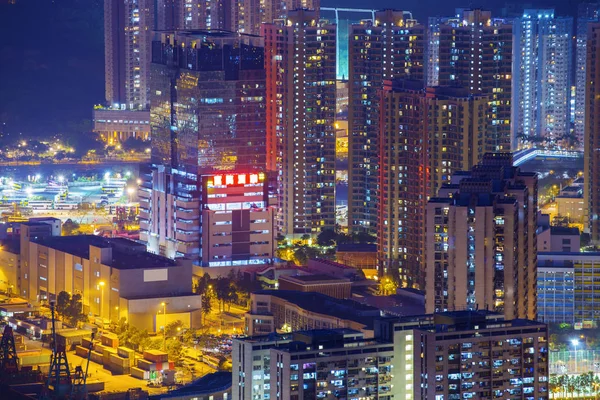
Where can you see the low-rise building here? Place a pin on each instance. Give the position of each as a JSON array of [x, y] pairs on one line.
[[556, 291], [282, 310], [568, 287], [556, 238], [340, 288], [116, 278], [116, 126], [451, 355], [360, 256], [10, 258], [215, 386], [334, 269], [570, 204]]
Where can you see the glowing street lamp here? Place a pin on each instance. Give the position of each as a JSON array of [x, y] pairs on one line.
[[101, 284], [130, 192], [164, 306], [575, 342]]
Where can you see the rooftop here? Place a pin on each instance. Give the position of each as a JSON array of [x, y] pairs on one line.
[[563, 230], [11, 246], [210, 383], [462, 320], [322, 304], [313, 279], [126, 254], [357, 247]]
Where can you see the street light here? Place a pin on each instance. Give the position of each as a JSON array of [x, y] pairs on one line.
[[164, 306], [101, 284], [575, 342], [130, 192]]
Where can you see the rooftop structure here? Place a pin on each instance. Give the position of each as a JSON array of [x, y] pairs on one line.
[[281, 310]]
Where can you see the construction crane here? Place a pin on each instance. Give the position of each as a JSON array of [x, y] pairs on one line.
[[80, 378], [60, 384], [9, 361]]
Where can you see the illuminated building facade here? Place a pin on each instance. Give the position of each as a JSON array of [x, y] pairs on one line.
[[592, 133], [427, 135], [301, 104], [207, 120], [116, 126], [390, 47], [481, 241], [451, 355], [237, 222], [542, 69], [472, 50], [586, 13], [191, 14], [127, 41]]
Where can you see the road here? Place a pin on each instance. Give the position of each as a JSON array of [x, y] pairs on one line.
[[193, 369], [128, 160]]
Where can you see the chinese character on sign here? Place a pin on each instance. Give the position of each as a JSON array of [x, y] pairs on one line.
[[241, 179], [253, 178], [229, 180], [218, 180]]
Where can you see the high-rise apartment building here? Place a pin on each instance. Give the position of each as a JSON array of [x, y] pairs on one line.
[[586, 14], [426, 136], [390, 47], [191, 14], [208, 150], [127, 40], [542, 77], [481, 241], [301, 99], [592, 132], [474, 51], [465, 354]]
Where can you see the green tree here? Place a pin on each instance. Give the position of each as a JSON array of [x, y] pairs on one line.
[[173, 328], [363, 237], [135, 144], [206, 306], [305, 238], [203, 284], [75, 310], [175, 351], [62, 303], [69, 228], [305, 253], [224, 290], [326, 238]]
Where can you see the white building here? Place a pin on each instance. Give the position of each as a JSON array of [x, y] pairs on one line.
[[542, 76]]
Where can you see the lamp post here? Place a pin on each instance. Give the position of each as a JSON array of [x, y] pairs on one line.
[[575, 342], [101, 283], [130, 192], [164, 306]]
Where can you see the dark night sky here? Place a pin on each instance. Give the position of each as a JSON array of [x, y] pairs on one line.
[[52, 55]]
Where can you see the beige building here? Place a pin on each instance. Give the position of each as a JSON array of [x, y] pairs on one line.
[[116, 126], [481, 241], [116, 278], [10, 259], [570, 203], [426, 135]]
